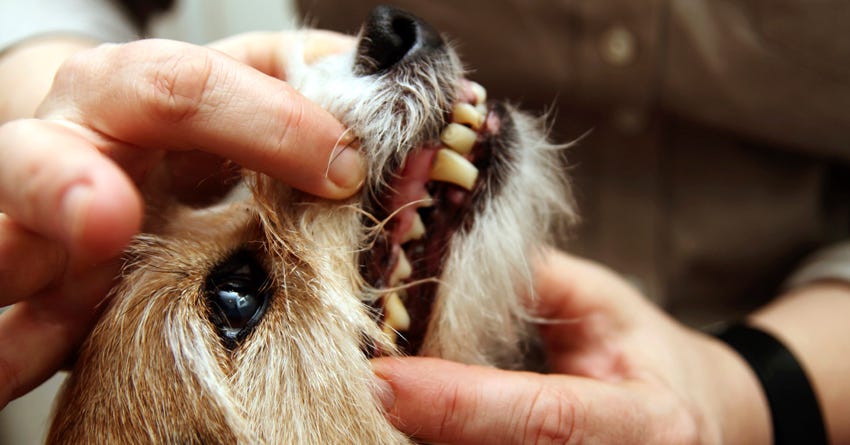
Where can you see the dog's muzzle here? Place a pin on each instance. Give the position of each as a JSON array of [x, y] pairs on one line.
[[435, 192]]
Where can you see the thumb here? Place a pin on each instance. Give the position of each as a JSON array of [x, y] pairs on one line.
[[440, 401]]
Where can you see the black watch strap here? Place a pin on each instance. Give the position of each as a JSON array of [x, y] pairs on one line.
[[794, 409]]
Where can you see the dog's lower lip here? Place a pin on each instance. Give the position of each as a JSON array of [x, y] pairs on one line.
[[407, 258]]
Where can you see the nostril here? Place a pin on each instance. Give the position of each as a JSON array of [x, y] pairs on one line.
[[391, 36]]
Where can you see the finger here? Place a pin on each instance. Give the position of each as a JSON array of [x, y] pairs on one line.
[[28, 262], [267, 51], [589, 311], [568, 287], [37, 336], [445, 402], [56, 184], [179, 96]]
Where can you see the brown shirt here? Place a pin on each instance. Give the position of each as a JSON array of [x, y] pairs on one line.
[[719, 144]]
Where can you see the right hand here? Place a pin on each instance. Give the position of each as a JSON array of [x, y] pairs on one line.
[[69, 178]]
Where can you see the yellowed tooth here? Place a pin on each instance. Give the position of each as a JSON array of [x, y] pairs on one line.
[[469, 115], [416, 231], [401, 271], [391, 333], [480, 93], [425, 201], [396, 317], [459, 138], [482, 108], [452, 167]]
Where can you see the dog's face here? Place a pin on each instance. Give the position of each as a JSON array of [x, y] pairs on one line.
[[253, 320]]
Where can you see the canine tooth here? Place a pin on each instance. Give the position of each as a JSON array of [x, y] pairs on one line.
[[469, 115], [391, 333], [480, 93], [416, 231], [426, 201], [452, 167], [401, 271], [482, 108], [396, 314], [459, 138]]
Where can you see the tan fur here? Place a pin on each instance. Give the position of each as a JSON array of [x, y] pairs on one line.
[[155, 371]]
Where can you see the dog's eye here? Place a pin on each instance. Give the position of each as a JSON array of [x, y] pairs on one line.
[[237, 296]]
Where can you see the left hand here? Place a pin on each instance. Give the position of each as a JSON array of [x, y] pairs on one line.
[[623, 372], [71, 176]]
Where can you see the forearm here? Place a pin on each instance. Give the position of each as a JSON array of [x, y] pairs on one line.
[[812, 322], [26, 72]]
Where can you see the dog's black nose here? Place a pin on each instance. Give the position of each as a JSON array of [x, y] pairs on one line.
[[391, 36]]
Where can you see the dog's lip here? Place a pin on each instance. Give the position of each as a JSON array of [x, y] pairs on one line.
[[407, 259]]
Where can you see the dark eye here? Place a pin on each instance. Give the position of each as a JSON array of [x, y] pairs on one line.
[[237, 296]]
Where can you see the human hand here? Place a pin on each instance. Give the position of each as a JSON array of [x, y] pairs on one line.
[[70, 178], [622, 373]]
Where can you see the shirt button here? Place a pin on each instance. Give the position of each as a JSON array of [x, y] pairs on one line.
[[629, 120], [619, 46]]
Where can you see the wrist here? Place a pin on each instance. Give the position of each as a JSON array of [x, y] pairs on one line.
[[737, 409]]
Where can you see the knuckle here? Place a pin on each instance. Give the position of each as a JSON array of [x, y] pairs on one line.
[[290, 116], [449, 422], [552, 417], [179, 84]]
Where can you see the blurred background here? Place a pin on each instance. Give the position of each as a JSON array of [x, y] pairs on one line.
[[23, 422]]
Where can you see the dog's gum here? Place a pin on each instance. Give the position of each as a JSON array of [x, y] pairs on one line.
[[416, 231], [468, 114], [401, 271], [450, 166], [459, 137]]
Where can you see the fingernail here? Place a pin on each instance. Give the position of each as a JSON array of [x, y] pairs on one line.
[[384, 392], [75, 206], [348, 167]]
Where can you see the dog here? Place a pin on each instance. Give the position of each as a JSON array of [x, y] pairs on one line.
[[253, 319]]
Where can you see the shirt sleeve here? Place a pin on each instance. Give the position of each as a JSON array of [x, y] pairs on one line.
[[830, 263], [100, 20]]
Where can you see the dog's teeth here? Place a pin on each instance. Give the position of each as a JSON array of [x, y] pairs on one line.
[[416, 231], [480, 93], [401, 271], [452, 167], [426, 201], [459, 138], [482, 108], [469, 115], [397, 317]]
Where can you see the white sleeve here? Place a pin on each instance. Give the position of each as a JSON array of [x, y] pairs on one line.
[[830, 263], [102, 20]]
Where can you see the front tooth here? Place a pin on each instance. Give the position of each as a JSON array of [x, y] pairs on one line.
[[452, 167], [459, 138], [416, 231], [469, 115], [401, 271], [480, 93], [397, 317]]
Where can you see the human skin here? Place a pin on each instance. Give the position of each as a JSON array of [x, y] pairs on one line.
[[83, 125], [623, 372]]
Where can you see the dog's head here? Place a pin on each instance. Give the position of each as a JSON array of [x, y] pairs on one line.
[[253, 320]]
